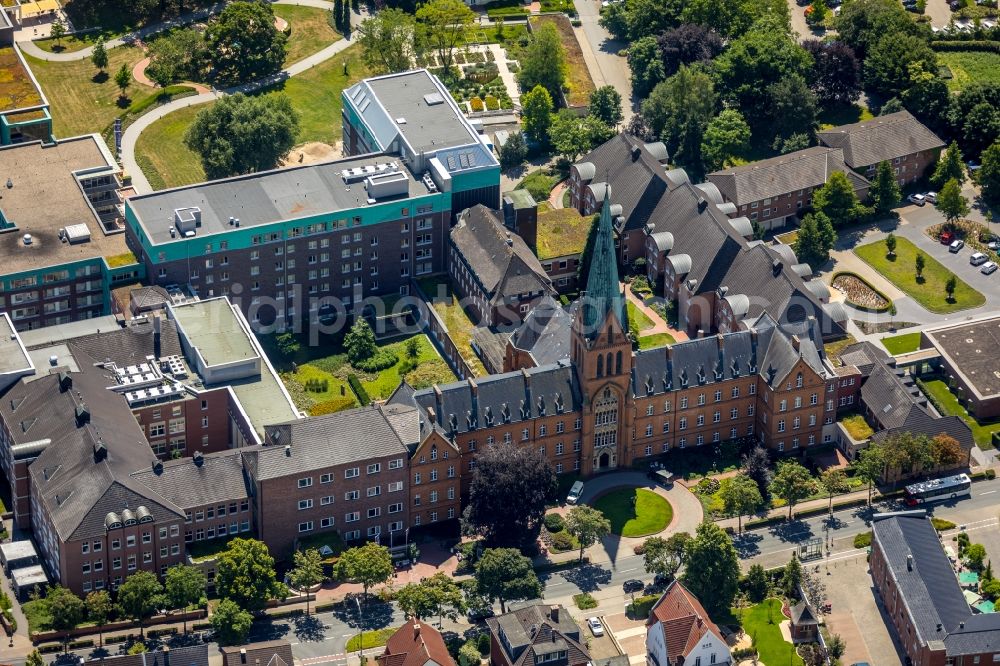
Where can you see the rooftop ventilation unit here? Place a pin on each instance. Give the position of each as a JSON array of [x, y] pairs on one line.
[[387, 185], [358, 173], [76, 233], [187, 220], [27, 239], [433, 99]]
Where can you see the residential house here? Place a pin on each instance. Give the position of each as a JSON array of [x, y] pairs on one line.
[[680, 633], [415, 643], [898, 138], [533, 634], [264, 653], [773, 192]]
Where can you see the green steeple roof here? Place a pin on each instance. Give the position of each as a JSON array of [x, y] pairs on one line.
[[603, 293]]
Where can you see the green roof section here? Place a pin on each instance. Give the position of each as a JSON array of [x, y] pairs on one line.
[[520, 199], [603, 295], [562, 232]]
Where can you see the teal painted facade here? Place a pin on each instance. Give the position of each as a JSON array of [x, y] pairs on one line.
[[32, 130], [243, 238]]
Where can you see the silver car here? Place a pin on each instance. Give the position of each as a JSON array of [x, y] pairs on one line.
[[988, 268], [595, 625]]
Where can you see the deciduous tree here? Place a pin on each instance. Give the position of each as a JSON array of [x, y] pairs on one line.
[[869, 466], [244, 43], [834, 482], [370, 565], [918, 264], [863, 23], [756, 584], [123, 77], [34, 658], [66, 610], [606, 105], [974, 556], [740, 496], [588, 525], [245, 574], [688, 44], [988, 175], [731, 18], [792, 483], [231, 623], [950, 201], [837, 200], [504, 574], [665, 556], [950, 166], [544, 62], [438, 595], [185, 585], [536, 114], [504, 471], [360, 341], [757, 465], [306, 572], [443, 25], [514, 151], [893, 60], [791, 577], [885, 192], [815, 240], [678, 111], [946, 450], [712, 568], [140, 596], [99, 56], [890, 245], [950, 286], [99, 609], [386, 40], [646, 64], [57, 31], [240, 134], [726, 136]]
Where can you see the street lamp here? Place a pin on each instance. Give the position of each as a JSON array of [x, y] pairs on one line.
[[361, 623]]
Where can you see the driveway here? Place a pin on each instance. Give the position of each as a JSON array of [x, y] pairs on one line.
[[939, 12], [601, 53]]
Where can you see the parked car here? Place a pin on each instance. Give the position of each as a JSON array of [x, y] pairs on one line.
[[978, 258], [575, 492], [661, 580], [956, 245], [947, 237], [917, 199], [595, 625], [479, 614], [633, 585], [973, 165], [931, 197], [994, 245], [988, 268]]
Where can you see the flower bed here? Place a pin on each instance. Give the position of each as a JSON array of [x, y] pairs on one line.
[[967, 230], [859, 293]]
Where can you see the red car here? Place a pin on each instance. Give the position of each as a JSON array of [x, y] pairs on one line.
[[947, 237]]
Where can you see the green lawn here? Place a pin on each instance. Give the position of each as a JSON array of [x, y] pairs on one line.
[[315, 95], [80, 101], [162, 155], [311, 31], [857, 427], [843, 115], [968, 67], [929, 291], [650, 513], [431, 369], [902, 344], [539, 183], [656, 340], [761, 623], [37, 612], [942, 396], [318, 391], [639, 317], [372, 639]]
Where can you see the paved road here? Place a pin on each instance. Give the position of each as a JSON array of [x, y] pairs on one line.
[[611, 68], [131, 134]]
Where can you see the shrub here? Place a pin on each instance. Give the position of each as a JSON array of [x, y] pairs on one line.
[[863, 540], [477, 104], [468, 654], [562, 541], [740, 654], [584, 601], [640, 608], [382, 359], [708, 486], [359, 390], [483, 643], [639, 548], [940, 524], [554, 522]]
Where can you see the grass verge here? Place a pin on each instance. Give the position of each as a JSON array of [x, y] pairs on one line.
[[656, 340], [310, 31], [370, 639], [929, 290], [635, 512], [902, 344]]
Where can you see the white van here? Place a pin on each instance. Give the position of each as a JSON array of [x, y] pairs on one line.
[[978, 258], [574, 493]]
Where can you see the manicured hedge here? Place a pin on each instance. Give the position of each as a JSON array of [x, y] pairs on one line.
[[640, 608], [970, 45], [359, 390], [863, 540]]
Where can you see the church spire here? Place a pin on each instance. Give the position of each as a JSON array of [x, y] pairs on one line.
[[603, 292]]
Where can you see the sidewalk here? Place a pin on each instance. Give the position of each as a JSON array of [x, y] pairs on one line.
[[813, 504]]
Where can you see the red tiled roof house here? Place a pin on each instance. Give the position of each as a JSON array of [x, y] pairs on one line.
[[679, 631], [415, 644]]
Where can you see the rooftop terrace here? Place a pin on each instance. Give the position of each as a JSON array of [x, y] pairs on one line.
[[274, 196], [17, 89], [43, 196]]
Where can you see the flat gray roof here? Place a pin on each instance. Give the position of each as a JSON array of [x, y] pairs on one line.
[[213, 328], [13, 356], [33, 575], [265, 198], [18, 550], [429, 126], [972, 349], [45, 197]]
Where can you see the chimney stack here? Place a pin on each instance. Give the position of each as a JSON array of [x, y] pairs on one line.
[[156, 334], [416, 629], [796, 343], [438, 399], [909, 562], [554, 613], [243, 655]]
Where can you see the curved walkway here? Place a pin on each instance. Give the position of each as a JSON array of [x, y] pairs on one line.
[[688, 512], [131, 135]]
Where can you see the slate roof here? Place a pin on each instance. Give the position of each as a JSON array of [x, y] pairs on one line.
[[928, 586], [802, 614], [85, 472], [266, 653], [333, 439], [499, 260], [468, 405], [218, 479], [130, 345], [764, 350], [545, 332], [777, 176], [684, 621], [414, 644], [882, 138], [529, 632], [604, 294]]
